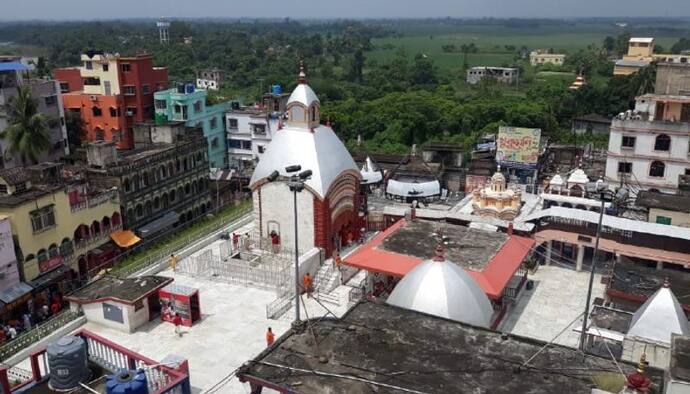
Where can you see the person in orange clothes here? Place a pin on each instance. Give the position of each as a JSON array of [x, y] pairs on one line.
[[307, 281], [55, 308], [270, 337]]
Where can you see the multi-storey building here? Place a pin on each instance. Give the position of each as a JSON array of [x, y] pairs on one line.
[[161, 182], [248, 133], [649, 148], [641, 54], [47, 96], [9, 272], [541, 57], [187, 104], [111, 93], [57, 224], [209, 79], [506, 75]]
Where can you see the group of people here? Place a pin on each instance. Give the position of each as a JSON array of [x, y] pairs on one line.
[[37, 310]]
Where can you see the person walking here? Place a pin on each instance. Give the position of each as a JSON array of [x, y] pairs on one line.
[[173, 262], [270, 337], [307, 281], [177, 321], [12, 332]]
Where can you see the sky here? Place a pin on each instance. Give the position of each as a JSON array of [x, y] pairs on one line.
[[301, 9]]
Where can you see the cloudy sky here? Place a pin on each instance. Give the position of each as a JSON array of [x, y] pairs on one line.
[[100, 9]]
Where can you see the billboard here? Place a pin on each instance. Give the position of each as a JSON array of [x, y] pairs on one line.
[[518, 147]]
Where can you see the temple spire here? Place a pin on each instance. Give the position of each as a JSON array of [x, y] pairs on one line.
[[302, 74]]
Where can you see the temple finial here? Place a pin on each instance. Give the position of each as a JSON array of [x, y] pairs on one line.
[[302, 74]]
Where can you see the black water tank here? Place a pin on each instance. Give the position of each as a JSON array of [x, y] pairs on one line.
[[69, 363]]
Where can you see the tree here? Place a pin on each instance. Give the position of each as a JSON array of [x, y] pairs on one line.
[[609, 44], [357, 65], [27, 130], [422, 71], [76, 133], [683, 44]]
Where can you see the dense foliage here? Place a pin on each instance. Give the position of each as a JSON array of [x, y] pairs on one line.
[[391, 103]]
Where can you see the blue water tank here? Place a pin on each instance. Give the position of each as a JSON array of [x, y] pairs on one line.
[[189, 88], [127, 382], [276, 89]]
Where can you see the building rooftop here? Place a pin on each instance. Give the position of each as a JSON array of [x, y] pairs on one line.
[[671, 202], [632, 63], [594, 118], [642, 39], [386, 349], [127, 290], [14, 176], [680, 358], [21, 198], [611, 319], [640, 282], [466, 247]]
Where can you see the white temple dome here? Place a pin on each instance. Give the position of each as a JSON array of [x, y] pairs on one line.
[[579, 177], [371, 173], [444, 289], [314, 148], [557, 180], [659, 317], [303, 94]]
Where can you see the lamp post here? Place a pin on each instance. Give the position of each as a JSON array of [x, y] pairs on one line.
[[605, 196], [296, 184]]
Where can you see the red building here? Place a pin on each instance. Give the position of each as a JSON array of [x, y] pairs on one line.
[[111, 93]]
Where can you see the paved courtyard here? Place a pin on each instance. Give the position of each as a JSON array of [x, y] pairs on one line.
[[558, 296]]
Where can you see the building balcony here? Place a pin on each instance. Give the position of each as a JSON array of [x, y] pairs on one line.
[[84, 245], [653, 126], [86, 202]]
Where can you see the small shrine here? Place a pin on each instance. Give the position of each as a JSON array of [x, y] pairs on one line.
[[496, 200]]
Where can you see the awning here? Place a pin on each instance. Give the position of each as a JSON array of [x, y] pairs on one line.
[[125, 238], [413, 189], [13, 66], [15, 292], [159, 224], [49, 277]]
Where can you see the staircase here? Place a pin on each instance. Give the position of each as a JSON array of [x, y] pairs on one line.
[[327, 278]]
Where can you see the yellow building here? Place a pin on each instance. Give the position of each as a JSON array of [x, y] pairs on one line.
[[100, 74], [641, 54], [496, 200], [673, 209], [55, 224], [540, 57]]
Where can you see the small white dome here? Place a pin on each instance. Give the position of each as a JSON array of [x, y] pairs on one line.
[[662, 306], [578, 176], [443, 289], [557, 180], [303, 94]]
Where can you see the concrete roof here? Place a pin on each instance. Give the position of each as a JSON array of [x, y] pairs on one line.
[[680, 358], [126, 290], [642, 39], [671, 202], [385, 349]]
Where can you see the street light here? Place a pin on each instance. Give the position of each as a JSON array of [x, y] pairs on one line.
[[296, 184], [605, 195]]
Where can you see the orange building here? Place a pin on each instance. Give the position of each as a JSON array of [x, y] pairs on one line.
[[111, 93]]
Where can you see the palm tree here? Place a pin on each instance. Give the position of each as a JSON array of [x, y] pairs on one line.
[[27, 130]]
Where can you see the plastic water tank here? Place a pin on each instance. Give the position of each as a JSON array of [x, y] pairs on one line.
[[127, 382], [69, 363], [189, 88], [180, 88], [276, 89]]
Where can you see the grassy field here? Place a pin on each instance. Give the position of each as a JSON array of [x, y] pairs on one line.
[[491, 41]]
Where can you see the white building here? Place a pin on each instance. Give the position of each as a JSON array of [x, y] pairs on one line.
[[504, 75], [329, 204], [649, 148], [540, 57], [249, 132], [209, 79]]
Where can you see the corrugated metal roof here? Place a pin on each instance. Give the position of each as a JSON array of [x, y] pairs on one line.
[[659, 317], [13, 66], [663, 230]]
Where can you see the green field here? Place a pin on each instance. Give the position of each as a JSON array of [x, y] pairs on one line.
[[491, 41]]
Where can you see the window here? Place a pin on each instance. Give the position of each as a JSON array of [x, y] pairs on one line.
[[113, 112], [64, 87], [88, 65], [92, 81], [197, 107], [628, 142], [145, 89], [3, 189], [232, 123], [213, 123], [42, 219], [259, 128], [97, 111], [685, 113], [130, 90], [126, 67], [131, 111], [687, 171], [261, 149], [624, 168], [115, 135], [662, 143], [106, 68], [161, 104], [113, 313], [657, 169], [663, 220], [214, 142], [100, 135], [178, 108]]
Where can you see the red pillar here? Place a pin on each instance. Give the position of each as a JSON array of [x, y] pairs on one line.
[[35, 368], [4, 379]]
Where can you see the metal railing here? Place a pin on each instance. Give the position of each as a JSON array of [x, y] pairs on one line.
[[26, 339], [95, 201], [175, 246]]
